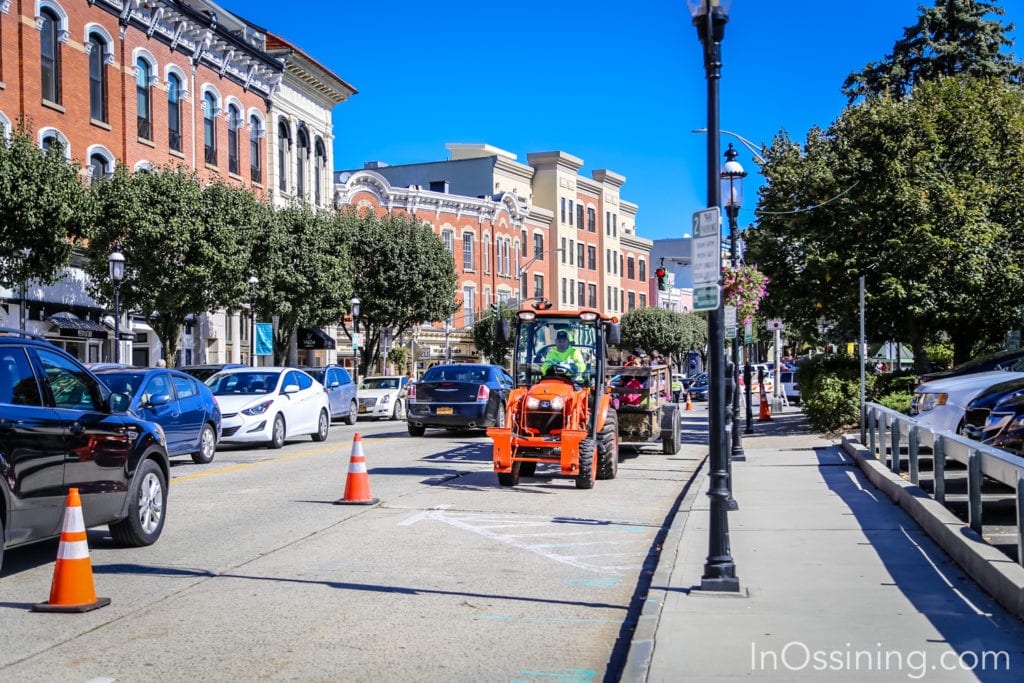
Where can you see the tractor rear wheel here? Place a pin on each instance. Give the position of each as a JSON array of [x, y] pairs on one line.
[[527, 469], [510, 478], [608, 447], [585, 479]]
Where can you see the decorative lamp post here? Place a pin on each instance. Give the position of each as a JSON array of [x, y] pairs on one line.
[[23, 255], [355, 335], [522, 271], [116, 264], [710, 17], [732, 196], [447, 341], [253, 281]]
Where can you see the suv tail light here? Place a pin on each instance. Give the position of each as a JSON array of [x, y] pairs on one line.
[[483, 393], [410, 393]]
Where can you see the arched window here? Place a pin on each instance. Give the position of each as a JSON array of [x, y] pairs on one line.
[[174, 112], [142, 98], [209, 129], [99, 167], [319, 170], [49, 55], [301, 159], [255, 149], [283, 148], [234, 123], [97, 78]]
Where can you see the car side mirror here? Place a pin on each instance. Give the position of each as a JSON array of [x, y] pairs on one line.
[[290, 389], [614, 336], [118, 402], [333, 384], [159, 400]]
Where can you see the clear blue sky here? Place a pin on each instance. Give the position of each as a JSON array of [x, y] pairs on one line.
[[617, 84]]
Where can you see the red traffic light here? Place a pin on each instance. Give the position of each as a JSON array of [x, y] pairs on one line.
[[660, 272]]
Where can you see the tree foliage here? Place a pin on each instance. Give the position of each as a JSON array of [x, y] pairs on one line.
[[656, 330], [42, 209], [949, 39], [401, 272], [922, 196], [485, 339]]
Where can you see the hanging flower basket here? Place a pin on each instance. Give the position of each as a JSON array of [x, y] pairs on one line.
[[744, 287]]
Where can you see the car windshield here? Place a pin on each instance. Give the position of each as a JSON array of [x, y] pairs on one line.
[[379, 383], [243, 383], [123, 382]]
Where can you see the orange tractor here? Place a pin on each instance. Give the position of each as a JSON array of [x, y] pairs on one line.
[[560, 410]]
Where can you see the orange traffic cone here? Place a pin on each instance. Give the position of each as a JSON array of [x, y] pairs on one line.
[[357, 483], [689, 403], [765, 414], [72, 589]]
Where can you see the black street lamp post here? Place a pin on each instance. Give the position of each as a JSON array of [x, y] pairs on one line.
[[115, 261], [710, 17], [253, 281], [732, 191], [447, 341], [355, 335]]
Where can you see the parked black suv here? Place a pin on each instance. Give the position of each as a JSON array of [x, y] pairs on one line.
[[978, 411], [60, 428]]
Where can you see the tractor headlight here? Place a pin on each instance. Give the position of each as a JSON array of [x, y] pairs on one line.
[[532, 403], [557, 403]]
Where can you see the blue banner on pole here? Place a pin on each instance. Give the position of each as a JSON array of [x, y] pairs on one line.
[[264, 339]]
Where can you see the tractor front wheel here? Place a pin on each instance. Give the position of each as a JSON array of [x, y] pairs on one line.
[[585, 479], [608, 447]]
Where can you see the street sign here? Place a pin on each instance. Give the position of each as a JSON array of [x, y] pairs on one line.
[[774, 324], [357, 340], [730, 331], [707, 246], [748, 333], [730, 316], [706, 298]]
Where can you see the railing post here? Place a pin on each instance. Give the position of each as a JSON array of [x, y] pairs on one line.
[[939, 468], [894, 460], [871, 431], [974, 490], [912, 446], [1020, 517], [882, 450]]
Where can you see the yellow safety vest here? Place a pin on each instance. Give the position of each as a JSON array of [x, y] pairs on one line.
[[571, 354]]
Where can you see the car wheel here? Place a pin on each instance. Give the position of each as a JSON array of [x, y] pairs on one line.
[[277, 435], [585, 478], [398, 412], [207, 446], [321, 429], [147, 500], [416, 431], [353, 414], [1, 542]]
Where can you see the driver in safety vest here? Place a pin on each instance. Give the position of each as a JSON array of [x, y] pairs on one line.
[[561, 352]]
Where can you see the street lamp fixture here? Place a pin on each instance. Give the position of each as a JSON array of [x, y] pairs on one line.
[[732, 196], [710, 18], [253, 281], [115, 262], [355, 335]]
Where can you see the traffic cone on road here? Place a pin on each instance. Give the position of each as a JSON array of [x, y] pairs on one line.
[[357, 483], [689, 403], [765, 414], [72, 589]]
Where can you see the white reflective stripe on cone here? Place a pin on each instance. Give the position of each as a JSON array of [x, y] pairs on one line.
[[73, 550], [73, 520], [357, 467]]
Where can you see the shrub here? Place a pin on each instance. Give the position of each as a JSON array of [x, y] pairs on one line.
[[833, 403], [896, 401]]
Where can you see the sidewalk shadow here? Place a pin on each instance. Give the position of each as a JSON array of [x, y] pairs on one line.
[[970, 621]]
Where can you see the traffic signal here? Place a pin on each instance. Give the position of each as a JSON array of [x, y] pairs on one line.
[[830, 349], [495, 309], [662, 285]]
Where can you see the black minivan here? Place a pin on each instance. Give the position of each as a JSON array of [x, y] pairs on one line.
[[62, 428]]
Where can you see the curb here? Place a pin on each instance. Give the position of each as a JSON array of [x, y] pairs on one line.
[[996, 573], [641, 648]]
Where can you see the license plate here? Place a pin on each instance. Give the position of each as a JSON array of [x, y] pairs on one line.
[[362, 409], [444, 411]]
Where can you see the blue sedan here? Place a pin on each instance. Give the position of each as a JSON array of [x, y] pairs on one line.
[[462, 396], [182, 405]]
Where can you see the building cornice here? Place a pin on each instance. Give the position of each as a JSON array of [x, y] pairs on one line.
[[562, 160]]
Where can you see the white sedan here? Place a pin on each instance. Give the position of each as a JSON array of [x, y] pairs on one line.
[[382, 397], [942, 403], [269, 405]]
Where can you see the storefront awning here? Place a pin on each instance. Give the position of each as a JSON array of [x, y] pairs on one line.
[[70, 325], [315, 338]]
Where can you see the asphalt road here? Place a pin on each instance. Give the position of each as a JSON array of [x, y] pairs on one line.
[[258, 576]]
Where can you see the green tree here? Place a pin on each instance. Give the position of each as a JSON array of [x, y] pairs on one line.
[[401, 272], [486, 341], [949, 39], [304, 272], [43, 208], [653, 329], [923, 196]]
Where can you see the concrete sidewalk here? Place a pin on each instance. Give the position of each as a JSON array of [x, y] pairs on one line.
[[836, 582]]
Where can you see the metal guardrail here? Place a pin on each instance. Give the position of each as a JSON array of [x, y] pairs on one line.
[[886, 431]]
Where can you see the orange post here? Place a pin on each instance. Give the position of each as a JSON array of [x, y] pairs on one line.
[[72, 589], [357, 483]]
